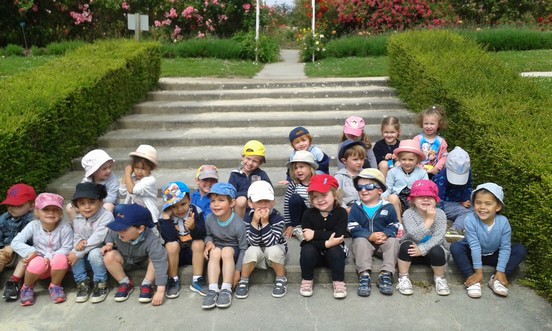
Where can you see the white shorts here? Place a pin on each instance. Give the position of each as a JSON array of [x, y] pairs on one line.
[[263, 257]]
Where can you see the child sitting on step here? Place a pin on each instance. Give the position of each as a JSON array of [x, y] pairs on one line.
[[206, 177], [252, 157], [353, 130], [384, 148], [352, 154], [301, 140], [432, 121]]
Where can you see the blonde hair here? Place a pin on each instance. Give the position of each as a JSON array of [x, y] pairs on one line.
[[338, 197], [391, 121], [436, 110], [292, 171]]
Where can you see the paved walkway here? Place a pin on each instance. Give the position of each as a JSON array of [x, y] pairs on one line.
[[289, 68]]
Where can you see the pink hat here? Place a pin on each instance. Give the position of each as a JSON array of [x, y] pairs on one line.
[[44, 200], [410, 146], [147, 152], [19, 194], [354, 125], [93, 160], [424, 188]]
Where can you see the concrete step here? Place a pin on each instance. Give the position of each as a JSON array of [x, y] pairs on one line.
[[222, 136], [264, 105], [259, 119], [281, 93], [187, 83]]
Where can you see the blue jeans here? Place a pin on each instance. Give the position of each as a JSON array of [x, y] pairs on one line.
[[93, 260], [461, 253], [456, 212]]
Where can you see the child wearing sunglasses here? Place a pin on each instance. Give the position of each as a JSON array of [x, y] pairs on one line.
[[373, 224]]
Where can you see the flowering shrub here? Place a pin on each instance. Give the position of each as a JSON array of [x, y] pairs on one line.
[[311, 45]]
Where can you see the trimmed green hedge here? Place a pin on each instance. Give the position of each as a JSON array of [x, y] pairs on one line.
[[51, 114], [500, 118]]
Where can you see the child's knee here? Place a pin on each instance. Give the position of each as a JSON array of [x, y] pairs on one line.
[[37, 266], [198, 246], [241, 202], [112, 257], [59, 262], [227, 253], [172, 247]]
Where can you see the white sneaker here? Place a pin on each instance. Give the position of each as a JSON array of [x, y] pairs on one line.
[[405, 286], [474, 291], [441, 286], [497, 287], [297, 232]]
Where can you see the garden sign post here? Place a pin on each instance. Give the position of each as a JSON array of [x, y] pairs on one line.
[[313, 23], [138, 23], [257, 23]]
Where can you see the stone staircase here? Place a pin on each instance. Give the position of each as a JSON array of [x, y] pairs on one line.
[[207, 121]]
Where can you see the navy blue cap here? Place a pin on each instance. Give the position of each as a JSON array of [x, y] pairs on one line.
[[129, 215], [224, 189], [297, 132], [90, 190], [348, 144]]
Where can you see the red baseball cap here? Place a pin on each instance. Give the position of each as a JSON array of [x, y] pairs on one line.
[[322, 183], [19, 194]]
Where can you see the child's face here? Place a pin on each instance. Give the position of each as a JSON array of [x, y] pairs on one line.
[[103, 173], [352, 137], [408, 161], [131, 233], [301, 144], [353, 163], [19, 211], [369, 197], [390, 134], [251, 163], [204, 185], [486, 206], [141, 170], [323, 201], [221, 207], [49, 215], [430, 124], [180, 208], [261, 205], [88, 207], [302, 171], [424, 203]]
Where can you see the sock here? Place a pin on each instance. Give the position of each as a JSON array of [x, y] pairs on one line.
[[175, 278], [146, 282], [214, 287], [403, 275], [125, 280], [281, 279], [226, 286], [243, 279], [15, 279], [195, 278], [365, 273]]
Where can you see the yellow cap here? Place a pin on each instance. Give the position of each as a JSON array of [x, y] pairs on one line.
[[254, 148]]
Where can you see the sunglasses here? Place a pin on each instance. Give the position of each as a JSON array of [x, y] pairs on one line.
[[367, 187]]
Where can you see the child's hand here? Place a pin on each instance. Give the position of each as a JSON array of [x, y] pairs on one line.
[[30, 257], [261, 216], [433, 171], [129, 170], [190, 222], [308, 234], [167, 214], [334, 241], [288, 232], [430, 216], [414, 250], [477, 277], [158, 296], [106, 248], [466, 204], [501, 277], [208, 247], [389, 156], [283, 182], [72, 258], [81, 245]]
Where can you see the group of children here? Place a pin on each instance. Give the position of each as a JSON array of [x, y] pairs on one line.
[[393, 199]]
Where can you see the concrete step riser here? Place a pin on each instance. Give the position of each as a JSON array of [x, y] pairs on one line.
[[190, 96], [229, 85]]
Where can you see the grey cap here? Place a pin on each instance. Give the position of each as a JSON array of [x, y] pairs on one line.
[[495, 189]]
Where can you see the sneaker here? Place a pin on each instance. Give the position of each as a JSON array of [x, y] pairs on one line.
[[173, 288], [279, 289], [199, 287], [123, 291], [57, 295], [497, 287], [11, 290], [297, 232], [340, 291], [242, 290], [441, 286], [474, 291], [306, 288], [99, 293], [454, 235], [224, 299], [400, 231], [146, 294], [27, 297], [210, 300], [405, 286], [364, 285], [82, 291], [385, 283]]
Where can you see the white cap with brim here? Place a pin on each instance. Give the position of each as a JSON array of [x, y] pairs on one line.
[[260, 190], [458, 166]]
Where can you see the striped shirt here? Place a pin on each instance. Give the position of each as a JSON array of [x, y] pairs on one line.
[[301, 190], [270, 235]]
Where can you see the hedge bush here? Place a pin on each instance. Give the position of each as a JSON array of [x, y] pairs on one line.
[[51, 114], [500, 118]]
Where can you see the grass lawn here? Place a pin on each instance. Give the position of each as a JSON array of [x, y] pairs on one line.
[[537, 60], [12, 65], [200, 67], [348, 67]]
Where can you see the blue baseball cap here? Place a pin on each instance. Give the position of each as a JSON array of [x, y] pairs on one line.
[[224, 189], [129, 215], [173, 193], [297, 132], [348, 144]]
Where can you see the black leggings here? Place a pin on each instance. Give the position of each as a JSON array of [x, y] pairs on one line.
[[311, 258], [435, 257]]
